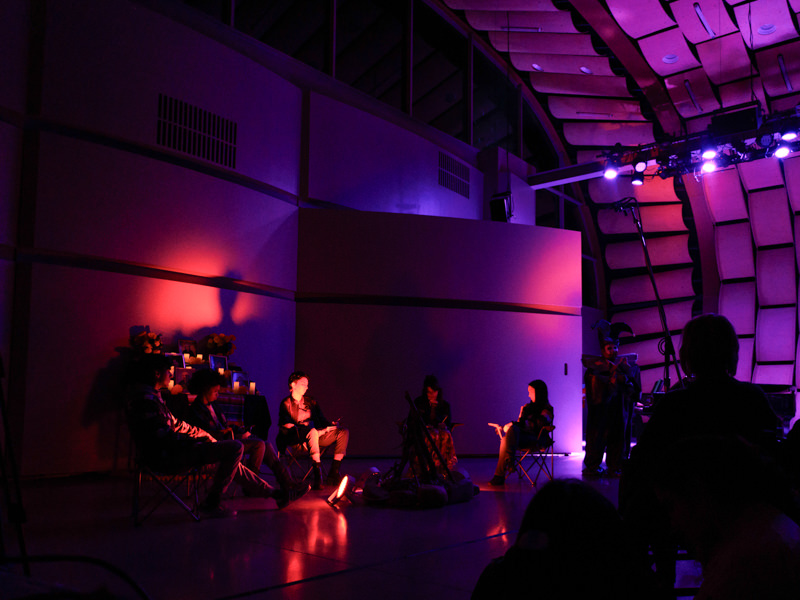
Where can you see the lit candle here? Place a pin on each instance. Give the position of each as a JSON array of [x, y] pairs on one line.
[[186, 358], [200, 357], [221, 371], [252, 387], [235, 386], [171, 384]]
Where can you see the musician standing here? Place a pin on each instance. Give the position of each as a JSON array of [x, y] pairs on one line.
[[612, 384]]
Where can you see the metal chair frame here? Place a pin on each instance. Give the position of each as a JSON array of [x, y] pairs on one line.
[[538, 456], [168, 488]]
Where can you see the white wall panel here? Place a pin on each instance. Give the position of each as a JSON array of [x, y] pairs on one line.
[[734, 244], [663, 251], [725, 196], [737, 301], [776, 338], [672, 284], [760, 174], [775, 278], [744, 370], [648, 351], [770, 217], [655, 219], [773, 374], [791, 173], [647, 320]]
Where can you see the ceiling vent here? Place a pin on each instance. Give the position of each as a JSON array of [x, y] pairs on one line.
[[453, 175]]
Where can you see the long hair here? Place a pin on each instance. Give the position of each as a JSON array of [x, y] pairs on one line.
[[541, 391]]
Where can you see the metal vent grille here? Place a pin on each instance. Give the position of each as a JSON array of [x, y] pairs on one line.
[[192, 130], [453, 175]]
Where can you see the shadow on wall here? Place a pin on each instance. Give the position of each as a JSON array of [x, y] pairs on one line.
[[105, 404]]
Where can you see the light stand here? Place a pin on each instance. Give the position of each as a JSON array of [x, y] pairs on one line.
[[631, 204]]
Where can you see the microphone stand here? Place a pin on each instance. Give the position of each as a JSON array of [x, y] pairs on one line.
[[632, 204]]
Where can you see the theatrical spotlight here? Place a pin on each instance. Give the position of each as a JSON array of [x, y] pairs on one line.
[[344, 490], [782, 151], [708, 150], [612, 169], [637, 178], [709, 166]]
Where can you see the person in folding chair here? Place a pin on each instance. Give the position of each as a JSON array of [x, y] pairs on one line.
[[301, 423], [531, 429], [169, 445], [205, 414]]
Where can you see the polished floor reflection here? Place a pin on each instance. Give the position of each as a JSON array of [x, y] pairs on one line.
[[308, 550]]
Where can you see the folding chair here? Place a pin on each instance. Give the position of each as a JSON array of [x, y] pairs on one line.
[[168, 485], [536, 456], [294, 454]]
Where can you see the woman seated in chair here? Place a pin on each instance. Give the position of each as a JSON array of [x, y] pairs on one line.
[[531, 429], [301, 422], [434, 412]]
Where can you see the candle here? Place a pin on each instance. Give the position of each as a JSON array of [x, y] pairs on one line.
[[171, 384], [252, 387], [199, 357], [235, 386], [221, 371], [186, 358]]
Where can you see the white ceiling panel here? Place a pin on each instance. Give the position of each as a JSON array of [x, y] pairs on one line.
[[647, 320], [581, 85], [724, 195], [773, 374], [607, 133], [770, 20], [543, 43], [655, 219], [535, 21], [629, 16], [691, 21], [770, 217], [780, 68], [725, 58], [671, 284], [760, 173], [742, 92], [590, 108], [668, 53], [561, 63], [691, 93]]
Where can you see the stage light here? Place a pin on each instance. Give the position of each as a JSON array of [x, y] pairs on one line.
[[344, 490], [788, 133], [708, 149], [709, 166], [637, 178], [782, 151]]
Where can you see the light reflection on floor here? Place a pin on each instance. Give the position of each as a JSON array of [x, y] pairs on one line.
[[301, 552]]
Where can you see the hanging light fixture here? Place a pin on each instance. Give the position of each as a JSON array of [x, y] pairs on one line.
[[637, 178]]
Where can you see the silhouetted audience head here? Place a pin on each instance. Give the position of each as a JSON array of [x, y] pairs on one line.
[[709, 346], [571, 544], [203, 380], [540, 387], [150, 368]]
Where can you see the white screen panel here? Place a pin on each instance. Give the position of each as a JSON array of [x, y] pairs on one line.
[[773, 374], [744, 370], [770, 217], [724, 196], [653, 374], [734, 251], [655, 219], [775, 277], [737, 301], [672, 284], [775, 334], [647, 350]]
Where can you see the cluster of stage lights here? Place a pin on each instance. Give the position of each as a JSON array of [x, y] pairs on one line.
[[709, 157]]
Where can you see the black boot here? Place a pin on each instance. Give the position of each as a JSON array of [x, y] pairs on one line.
[[317, 485], [283, 477], [333, 474]]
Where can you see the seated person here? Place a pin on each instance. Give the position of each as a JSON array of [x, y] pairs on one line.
[[301, 423], [204, 414], [167, 444], [435, 414], [532, 428]]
